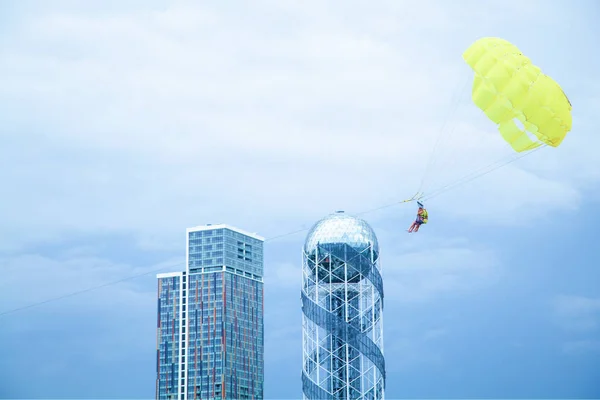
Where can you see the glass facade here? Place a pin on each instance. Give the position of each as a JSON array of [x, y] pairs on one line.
[[210, 250], [167, 353], [342, 305], [221, 319]]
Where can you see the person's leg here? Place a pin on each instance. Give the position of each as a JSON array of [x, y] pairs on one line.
[[412, 227], [418, 225]]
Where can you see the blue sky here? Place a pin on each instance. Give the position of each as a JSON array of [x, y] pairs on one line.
[[124, 123]]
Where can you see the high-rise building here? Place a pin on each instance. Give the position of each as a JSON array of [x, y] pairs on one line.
[[210, 336], [342, 304]]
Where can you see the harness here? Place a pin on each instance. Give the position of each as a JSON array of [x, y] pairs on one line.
[[424, 216]]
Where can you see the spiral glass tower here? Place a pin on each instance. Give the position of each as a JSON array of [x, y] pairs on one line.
[[342, 304]]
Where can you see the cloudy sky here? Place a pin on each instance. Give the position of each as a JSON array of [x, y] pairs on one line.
[[124, 122]]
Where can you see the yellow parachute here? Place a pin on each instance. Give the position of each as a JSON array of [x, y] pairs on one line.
[[508, 87]]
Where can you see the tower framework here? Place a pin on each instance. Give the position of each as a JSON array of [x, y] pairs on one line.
[[342, 304]]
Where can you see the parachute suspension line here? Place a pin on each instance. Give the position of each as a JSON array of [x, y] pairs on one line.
[[465, 179], [484, 171], [456, 101], [450, 134]]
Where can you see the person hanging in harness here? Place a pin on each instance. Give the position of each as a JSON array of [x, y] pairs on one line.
[[422, 218]]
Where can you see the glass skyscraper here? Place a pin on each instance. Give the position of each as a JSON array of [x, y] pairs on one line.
[[342, 311], [210, 336]]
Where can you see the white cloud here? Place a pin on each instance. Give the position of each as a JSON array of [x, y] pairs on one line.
[[577, 313], [52, 278], [436, 333], [283, 342], [112, 325], [284, 275], [409, 350], [437, 269], [151, 121]]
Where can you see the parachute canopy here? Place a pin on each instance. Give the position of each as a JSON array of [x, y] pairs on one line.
[[509, 88]]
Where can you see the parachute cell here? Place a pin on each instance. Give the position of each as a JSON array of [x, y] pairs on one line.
[[509, 89]]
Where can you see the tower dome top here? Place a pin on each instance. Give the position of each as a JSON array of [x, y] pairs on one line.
[[341, 228]]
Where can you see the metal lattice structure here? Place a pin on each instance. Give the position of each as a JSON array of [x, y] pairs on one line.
[[342, 304]]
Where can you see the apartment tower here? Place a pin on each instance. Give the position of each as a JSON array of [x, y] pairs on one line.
[[210, 333]]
